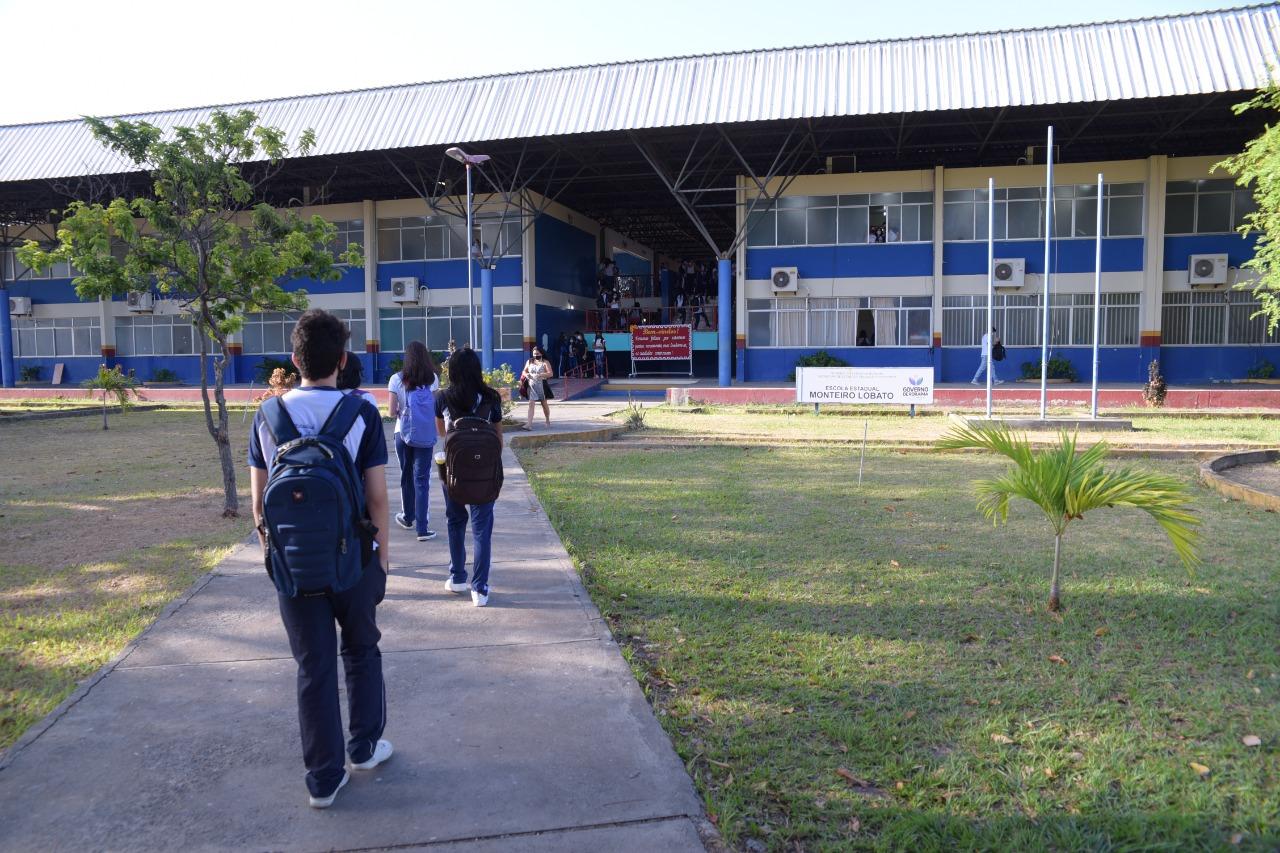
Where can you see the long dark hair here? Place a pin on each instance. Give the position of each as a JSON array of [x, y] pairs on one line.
[[351, 374], [419, 368], [466, 380]]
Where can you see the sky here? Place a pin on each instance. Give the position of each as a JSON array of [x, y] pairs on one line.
[[74, 58]]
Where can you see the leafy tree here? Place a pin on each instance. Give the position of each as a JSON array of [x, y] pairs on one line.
[[1066, 486], [203, 237], [1258, 168], [112, 383]]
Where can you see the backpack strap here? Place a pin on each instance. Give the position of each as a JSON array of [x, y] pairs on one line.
[[342, 418], [278, 422]]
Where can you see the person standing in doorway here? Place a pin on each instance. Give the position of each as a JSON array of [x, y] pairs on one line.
[[989, 340], [468, 396], [698, 303], [410, 396], [319, 351], [601, 354], [537, 370]]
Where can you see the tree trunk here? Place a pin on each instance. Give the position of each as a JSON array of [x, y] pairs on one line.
[[1055, 604], [104, 409], [218, 431]]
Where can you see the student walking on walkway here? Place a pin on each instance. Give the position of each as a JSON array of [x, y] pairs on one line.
[[985, 361], [468, 397], [319, 414], [412, 404], [537, 370]]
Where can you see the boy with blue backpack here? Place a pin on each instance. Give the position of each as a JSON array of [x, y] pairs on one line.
[[317, 460]]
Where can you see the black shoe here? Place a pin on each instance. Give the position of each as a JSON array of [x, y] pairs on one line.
[[403, 522]]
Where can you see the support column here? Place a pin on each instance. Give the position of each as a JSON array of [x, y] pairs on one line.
[[935, 342], [724, 320], [107, 330], [372, 328], [486, 316], [7, 375], [1149, 313]]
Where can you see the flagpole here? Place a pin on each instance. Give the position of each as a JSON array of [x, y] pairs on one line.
[[1044, 306]]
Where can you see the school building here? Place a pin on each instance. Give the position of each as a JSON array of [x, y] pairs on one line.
[[839, 193]]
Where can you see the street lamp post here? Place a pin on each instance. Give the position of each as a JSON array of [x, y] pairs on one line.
[[469, 160]]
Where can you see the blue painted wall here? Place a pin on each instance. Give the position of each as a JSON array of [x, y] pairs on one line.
[[351, 281], [77, 369], [1207, 364], [56, 291], [1115, 364], [1119, 254], [863, 261], [773, 365], [629, 264], [564, 259], [1178, 250], [433, 274]]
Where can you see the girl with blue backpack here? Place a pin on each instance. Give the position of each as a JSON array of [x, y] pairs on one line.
[[413, 407]]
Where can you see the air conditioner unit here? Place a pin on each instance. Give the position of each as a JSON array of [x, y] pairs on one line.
[[1009, 273], [404, 289], [785, 279], [140, 300], [1207, 270], [20, 305]]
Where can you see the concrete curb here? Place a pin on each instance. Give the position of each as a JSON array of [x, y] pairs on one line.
[[80, 413], [525, 441], [1211, 476], [85, 687]]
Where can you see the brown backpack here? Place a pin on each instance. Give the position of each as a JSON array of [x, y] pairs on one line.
[[473, 458]]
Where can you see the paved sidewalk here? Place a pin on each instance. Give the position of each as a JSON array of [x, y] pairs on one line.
[[516, 727]]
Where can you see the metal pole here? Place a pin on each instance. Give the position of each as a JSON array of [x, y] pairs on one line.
[[1097, 304], [486, 316], [724, 320], [991, 284], [7, 369], [1044, 307], [471, 302]]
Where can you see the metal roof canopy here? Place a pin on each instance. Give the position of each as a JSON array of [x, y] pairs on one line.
[[1114, 90], [605, 176]]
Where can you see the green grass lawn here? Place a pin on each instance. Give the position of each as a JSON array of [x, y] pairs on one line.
[[874, 668], [847, 423], [98, 532]]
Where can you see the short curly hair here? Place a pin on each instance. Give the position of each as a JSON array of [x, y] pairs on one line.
[[319, 340]]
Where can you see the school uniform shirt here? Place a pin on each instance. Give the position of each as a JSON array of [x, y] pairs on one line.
[[309, 407]]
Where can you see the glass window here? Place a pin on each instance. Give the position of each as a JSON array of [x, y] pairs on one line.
[[388, 244], [853, 225], [1124, 218], [1213, 213], [791, 227], [957, 221], [822, 226], [1024, 221], [762, 228]]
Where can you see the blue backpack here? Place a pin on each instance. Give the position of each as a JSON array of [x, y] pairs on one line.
[[319, 537], [418, 420]]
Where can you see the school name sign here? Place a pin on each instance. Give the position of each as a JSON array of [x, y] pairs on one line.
[[889, 385]]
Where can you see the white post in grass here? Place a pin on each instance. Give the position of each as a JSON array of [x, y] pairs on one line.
[[991, 284], [1044, 307], [1097, 304]]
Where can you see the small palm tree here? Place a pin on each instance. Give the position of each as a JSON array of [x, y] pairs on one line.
[[1066, 486], [111, 382]]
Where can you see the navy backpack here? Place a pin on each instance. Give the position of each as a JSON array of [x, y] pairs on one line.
[[319, 536]]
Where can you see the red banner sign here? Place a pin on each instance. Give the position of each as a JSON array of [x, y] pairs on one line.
[[661, 343]]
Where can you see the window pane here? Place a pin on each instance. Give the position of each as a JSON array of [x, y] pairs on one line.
[[142, 340], [793, 202], [1244, 206], [388, 245], [413, 244], [760, 228], [886, 198], [1207, 323], [1024, 220], [957, 222], [392, 335], [822, 226], [918, 330], [926, 223], [1125, 216], [415, 329], [83, 341], [253, 337], [1180, 214], [162, 339], [62, 342], [1062, 217], [457, 245], [759, 328], [791, 227], [1213, 213], [853, 225], [893, 230], [1086, 211], [182, 339]]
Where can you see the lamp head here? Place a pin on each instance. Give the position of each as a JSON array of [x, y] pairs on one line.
[[463, 157]]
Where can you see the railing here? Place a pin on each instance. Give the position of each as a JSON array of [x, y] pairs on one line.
[[704, 318], [576, 379]]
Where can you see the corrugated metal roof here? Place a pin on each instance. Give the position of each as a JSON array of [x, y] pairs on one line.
[[1201, 53]]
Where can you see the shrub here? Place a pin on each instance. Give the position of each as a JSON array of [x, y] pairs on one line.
[[1059, 368], [821, 358], [164, 374], [634, 418], [1262, 370], [29, 373], [395, 365], [1155, 389], [112, 383], [270, 365]]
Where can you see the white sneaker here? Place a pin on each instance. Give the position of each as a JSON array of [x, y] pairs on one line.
[[381, 752], [402, 520], [973, 382], [999, 381], [454, 586], [478, 599], [325, 802]]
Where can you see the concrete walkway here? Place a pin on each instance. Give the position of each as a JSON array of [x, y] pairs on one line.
[[516, 727]]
